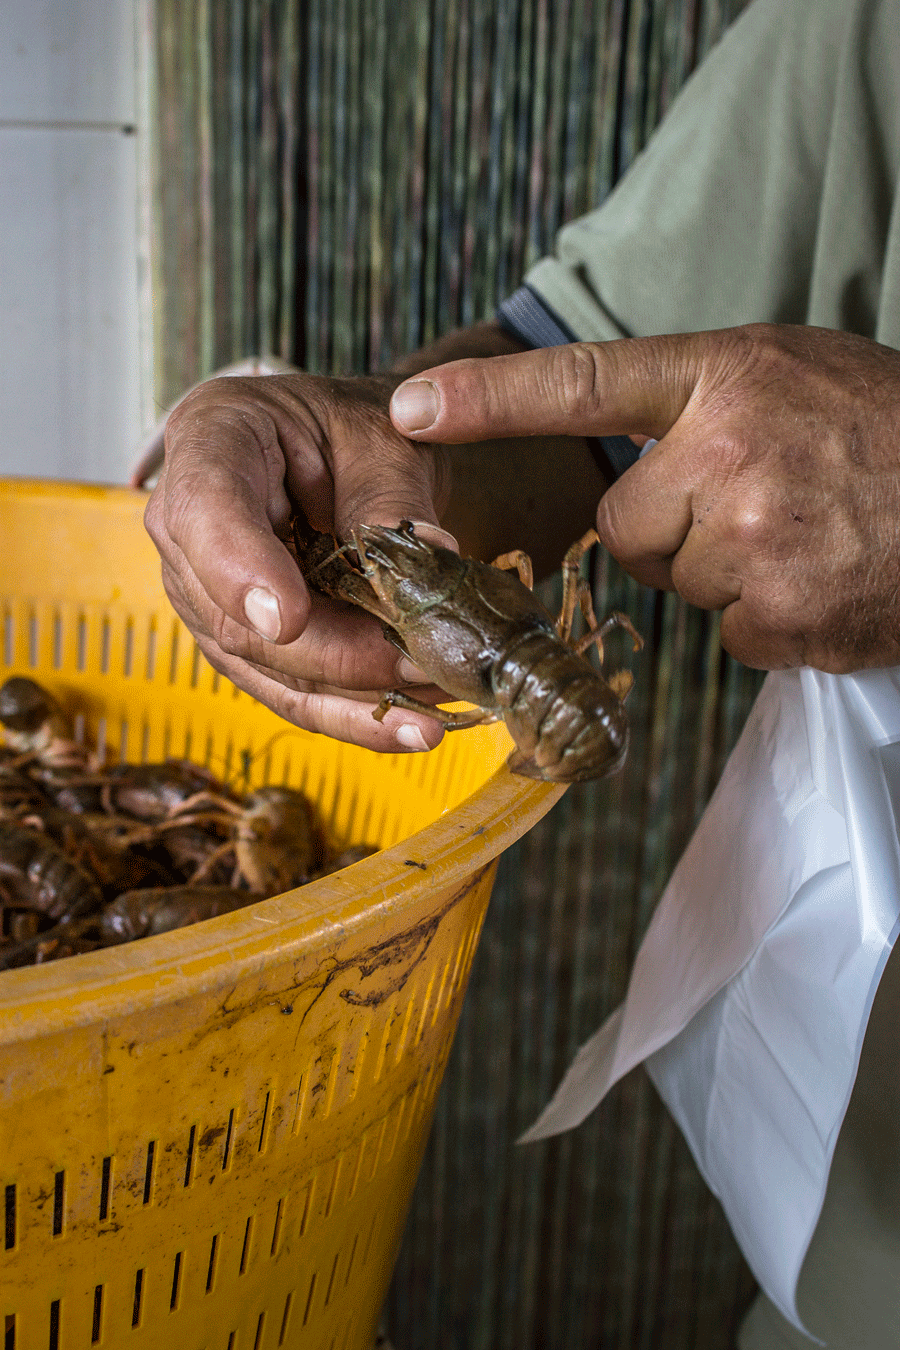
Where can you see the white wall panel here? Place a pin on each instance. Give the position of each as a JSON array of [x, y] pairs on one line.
[[69, 367], [72, 361], [67, 60]]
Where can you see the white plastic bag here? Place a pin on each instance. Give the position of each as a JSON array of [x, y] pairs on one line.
[[752, 989]]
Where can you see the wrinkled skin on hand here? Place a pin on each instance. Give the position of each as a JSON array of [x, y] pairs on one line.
[[773, 494], [241, 454]]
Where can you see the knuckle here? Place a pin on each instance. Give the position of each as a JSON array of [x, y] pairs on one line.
[[478, 393], [765, 359], [179, 513], [232, 641], [182, 607], [173, 590], [749, 347], [774, 358], [385, 504], [208, 397], [343, 671], [229, 407], [751, 526], [578, 385], [739, 363], [782, 621], [215, 657], [355, 395]]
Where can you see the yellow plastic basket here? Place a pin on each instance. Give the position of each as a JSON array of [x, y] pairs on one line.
[[209, 1139]]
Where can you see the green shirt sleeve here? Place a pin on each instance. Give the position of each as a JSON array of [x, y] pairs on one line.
[[768, 193]]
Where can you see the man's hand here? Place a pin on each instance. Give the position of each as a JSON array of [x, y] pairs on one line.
[[774, 491], [240, 454], [243, 453]]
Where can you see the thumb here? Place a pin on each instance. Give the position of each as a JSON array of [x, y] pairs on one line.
[[630, 386], [386, 480]]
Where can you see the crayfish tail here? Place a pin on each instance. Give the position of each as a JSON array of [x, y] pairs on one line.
[[525, 766]]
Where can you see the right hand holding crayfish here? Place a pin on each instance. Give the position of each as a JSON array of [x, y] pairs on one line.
[[241, 456], [772, 493]]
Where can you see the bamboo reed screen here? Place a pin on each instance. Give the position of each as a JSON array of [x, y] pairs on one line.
[[336, 182]]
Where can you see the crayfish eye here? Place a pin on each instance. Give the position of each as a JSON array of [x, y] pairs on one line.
[[408, 528], [369, 555]]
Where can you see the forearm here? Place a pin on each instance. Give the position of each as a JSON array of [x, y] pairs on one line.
[[534, 493]]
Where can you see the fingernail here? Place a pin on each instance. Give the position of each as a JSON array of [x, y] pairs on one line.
[[410, 736], [415, 405], [409, 673], [433, 534], [263, 614]]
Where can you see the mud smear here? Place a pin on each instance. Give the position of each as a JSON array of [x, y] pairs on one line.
[[395, 959], [392, 960]]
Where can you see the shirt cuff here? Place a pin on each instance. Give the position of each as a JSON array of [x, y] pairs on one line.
[[530, 319]]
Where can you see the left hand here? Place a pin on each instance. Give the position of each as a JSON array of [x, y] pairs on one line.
[[241, 456], [772, 495]]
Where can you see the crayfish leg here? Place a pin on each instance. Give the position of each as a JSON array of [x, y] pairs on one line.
[[208, 864], [616, 619], [586, 605], [572, 585], [518, 561], [394, 698], [594, 632]]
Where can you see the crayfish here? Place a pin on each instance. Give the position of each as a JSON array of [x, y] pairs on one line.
[[480, 634], [92, 856]]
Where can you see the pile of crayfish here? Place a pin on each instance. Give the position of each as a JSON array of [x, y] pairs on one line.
[[93, 856]]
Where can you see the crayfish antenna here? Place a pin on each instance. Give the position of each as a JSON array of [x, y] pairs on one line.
[[338, 552]]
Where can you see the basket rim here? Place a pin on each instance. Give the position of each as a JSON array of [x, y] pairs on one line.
[[174, 967]]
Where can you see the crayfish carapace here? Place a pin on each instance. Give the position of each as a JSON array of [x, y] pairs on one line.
[[480, 634]]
